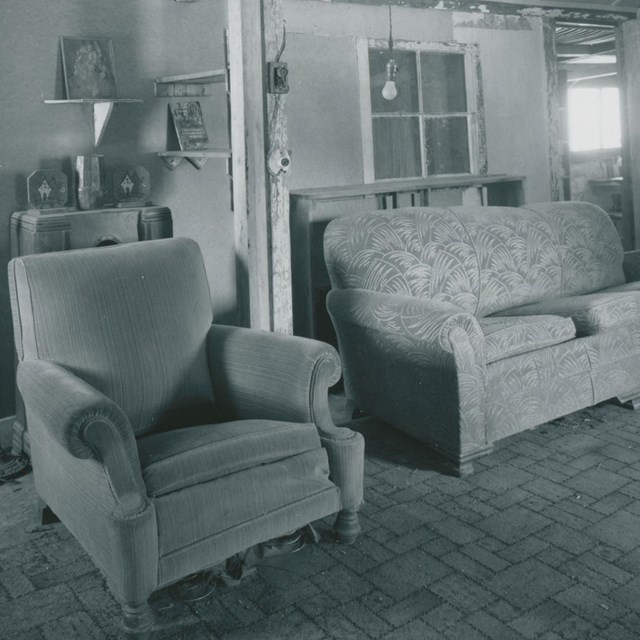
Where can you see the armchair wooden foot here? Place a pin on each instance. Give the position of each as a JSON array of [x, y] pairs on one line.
[[43, 513], [137, 620], [347, 526]]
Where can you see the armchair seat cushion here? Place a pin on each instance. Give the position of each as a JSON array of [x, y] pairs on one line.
[[181, 458], [510, 336], [592, 313]]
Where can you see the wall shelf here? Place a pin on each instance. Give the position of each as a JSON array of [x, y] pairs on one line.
[[189, 84], [197, 158], [102, 108]]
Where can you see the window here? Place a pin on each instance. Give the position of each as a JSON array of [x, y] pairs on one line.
[[430, 128], [594, 118]]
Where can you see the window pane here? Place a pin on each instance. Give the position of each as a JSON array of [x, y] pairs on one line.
[[584, 119], [396, 148], [443, 83], [447, 145], [406, 81]]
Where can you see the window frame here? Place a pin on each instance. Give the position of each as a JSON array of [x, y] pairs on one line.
[[474, 114]]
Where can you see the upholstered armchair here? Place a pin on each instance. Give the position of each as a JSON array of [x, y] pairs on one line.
[[163, 442]]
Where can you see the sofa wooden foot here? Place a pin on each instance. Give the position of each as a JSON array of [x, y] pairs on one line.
[[347, 526], [634, 403], [137, 620]]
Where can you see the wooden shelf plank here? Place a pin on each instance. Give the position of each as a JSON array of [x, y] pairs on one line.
[[201, 77], [188, 84], [197, 158], [102, 109], [93, 100], [198, 153]]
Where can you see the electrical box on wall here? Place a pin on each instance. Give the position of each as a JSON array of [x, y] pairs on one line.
[[278, 77]]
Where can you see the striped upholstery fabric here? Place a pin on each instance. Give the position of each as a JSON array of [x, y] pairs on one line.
[[82, 313], [180, 458], [163, 442]]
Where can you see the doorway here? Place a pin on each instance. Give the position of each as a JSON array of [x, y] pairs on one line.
[[590, 104]]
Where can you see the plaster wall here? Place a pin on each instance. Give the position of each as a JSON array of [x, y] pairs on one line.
[[324, 103], [150, 39]]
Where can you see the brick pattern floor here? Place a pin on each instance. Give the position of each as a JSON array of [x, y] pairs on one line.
[[543, 541]]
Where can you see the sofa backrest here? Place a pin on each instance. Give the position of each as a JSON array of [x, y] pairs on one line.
[[482, 259], [131, 320]]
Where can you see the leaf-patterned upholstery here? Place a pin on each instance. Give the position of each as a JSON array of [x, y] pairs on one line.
[[462, 325]]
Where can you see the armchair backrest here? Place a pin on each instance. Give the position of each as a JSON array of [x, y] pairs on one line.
[[482, 259], [131, 320]]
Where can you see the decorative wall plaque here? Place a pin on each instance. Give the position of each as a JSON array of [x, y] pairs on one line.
[[48, 189], [131, 186]]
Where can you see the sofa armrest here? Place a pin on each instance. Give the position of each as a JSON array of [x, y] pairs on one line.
[[631, 265], [423, 329], [86, 424], [416, 364]]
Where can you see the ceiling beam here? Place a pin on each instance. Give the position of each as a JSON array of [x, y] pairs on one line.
[[559, 9], [580, 50]]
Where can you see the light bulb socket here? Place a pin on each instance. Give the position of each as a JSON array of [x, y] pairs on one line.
[[392, 70]]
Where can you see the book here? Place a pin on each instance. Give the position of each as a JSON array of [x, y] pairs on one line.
[[189, 125]]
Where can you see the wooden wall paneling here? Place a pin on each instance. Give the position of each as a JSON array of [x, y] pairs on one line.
[[554, 129], [279, 232]]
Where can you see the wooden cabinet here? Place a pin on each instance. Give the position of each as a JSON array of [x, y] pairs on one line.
[[311, 211]]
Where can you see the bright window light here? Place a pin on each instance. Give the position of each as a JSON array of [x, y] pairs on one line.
[[594, 119]]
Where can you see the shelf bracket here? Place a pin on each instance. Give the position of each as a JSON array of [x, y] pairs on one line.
[[197, 162], [171, 162], [101, 114]]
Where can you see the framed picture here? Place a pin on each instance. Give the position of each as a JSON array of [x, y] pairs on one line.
[[189, 125], [89, 68]]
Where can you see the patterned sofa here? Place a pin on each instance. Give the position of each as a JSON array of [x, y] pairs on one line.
[[464, 325]]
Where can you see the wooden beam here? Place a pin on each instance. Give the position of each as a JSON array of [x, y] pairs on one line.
[[628, 41], [279, 232], [246, 61], [554, 128], [581, 11]]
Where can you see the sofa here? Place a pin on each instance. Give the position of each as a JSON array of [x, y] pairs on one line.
[[464, 325]]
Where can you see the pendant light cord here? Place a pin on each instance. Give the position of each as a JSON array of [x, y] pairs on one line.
[[390, 30]]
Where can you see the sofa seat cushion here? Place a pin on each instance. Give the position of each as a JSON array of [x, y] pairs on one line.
[[627, 286], [592, 313], [510, 336], [177, 459]]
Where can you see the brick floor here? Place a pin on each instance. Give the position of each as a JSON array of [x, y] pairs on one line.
[[542, 541]]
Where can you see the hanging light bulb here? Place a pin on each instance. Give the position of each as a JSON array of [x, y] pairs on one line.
[[390, 91]]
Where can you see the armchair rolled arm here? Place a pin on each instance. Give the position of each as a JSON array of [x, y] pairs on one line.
[[429, 330], [279, 377], [257, 374], [87, 424], [631, 265]]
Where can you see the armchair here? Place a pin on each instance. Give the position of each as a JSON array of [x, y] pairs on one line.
[[163, 442]]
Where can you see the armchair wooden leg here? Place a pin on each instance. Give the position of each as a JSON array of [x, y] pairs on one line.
[[137, 620], [347, 526], [44, 515]]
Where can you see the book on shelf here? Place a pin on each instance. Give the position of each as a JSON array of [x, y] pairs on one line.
[[189, 125]]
